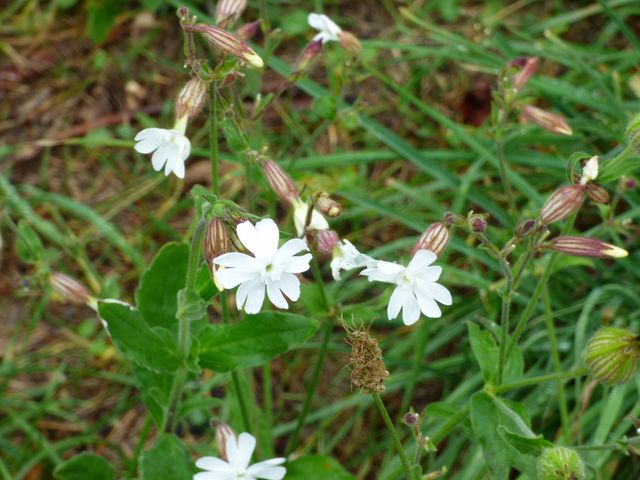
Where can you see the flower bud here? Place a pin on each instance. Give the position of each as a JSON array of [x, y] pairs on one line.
[[227, 43], [223, 432], [525, 228], [632, 133], [626, 184], [547, 120], [229, 10], [477, 224], [183, 13], [562, 203], [280, 182], [216, 240], [350, 42], [612, 355], [450, 218], [435, 239], [308, 56], [586, 247], [328, 206], [560, 463], [248, 30], [71, 290], [597, 193], [411, 419], [327, 241], [527, 66], [191, 98]]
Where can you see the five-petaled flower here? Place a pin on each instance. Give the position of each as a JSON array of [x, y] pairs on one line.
[[327, 28], [171, 147], [236, 466], [416, 290], [270, 267]]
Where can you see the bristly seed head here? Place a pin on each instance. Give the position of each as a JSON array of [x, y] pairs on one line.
[[368, 371]]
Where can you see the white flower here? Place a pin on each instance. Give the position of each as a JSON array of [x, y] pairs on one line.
[[236, 467], [329, 31], [347, 257], [590, 170], [271, 267], [416, 291], [171, 148], [318, 222]]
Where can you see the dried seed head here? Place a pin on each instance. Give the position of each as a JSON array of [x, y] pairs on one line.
[[632, 133], [586, 247], [223, 432], [191, 98], [71, 290], [326, 241], [280, 182], [612, 355], [547, 120], [227, 43], [526, 228], [350, 42], [229, 10], [248, 30], [527, 66], [562, 203], [328, 206], [435, 239], [368, 371], [560, 463]]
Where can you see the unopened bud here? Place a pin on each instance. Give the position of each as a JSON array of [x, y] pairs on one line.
[[223, 432], [597, 193], [183, 14], [229, 10], [71, 290], [280, 182], [310, 53], [216, 242], [327, 241], [248, 30], [435, 239], [525, 228], [411, 419], [527, 66], [632, 133], [477, 224], [350, 42], [227, 43], [547, 120], [328, 206], [450, 218], [191, 98], [562, 203], [612, 355], [586, 247], [560, 463]]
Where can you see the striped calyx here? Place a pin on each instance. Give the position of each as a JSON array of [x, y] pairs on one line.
[[435, 239], [562, 203], [227, 43], [586, 247], [612, 355], [280, 182], [560, 463]]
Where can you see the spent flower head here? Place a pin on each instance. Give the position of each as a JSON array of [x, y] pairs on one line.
[[170, 148], [270, 268], [300, 215], [347, 257]]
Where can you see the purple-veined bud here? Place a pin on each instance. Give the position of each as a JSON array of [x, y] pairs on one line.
[[594, 191], [450, 218], [411, 419], [527, 66], [327, 241], [310, 53], [526, 228], [562, 203], [191, 98], [280, 182], [71, 290], [228, 43], [223, 432], [477, 224], [248, 30], [628, 183], [586, 247], [350, 42], [547, 120], [560, 463], [216, 240], [435, 239], [612, 355], [183, 14], [328, 206], [229, 10]]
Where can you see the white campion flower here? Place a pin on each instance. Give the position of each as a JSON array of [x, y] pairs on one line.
[[236, 467], [170, 147], [327, 28], [300, 210], [347, 257], [271, 268], [590, 170], [416, 288]]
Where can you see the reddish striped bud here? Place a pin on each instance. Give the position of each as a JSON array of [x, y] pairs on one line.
[[326, 241], [223, 432], [612, 355], [216, 240], [248, 30], [280, 182], [71, 290], [525, 228], [229, 10], [328, 206], [562, 203], [547, 120], [435, 239], [350, 42], [310, 53], [586, 247], [191, 98], [227, 43], [527, 66], [594, 191], [477, 224]]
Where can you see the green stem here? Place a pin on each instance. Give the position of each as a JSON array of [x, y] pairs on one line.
[[504, 178], [419, 354], [144, 434], [213, 137], [526, 382], [394, 434], [504, 317]]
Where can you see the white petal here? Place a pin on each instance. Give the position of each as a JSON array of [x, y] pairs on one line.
[[214, 476], [290, 286], [268, 470], [148, 145], [316, 21], [318, 222], [238, 260], [422, 258], [255, 299], [213, 464], [178, 167], [428, 274], [290, 248], [232, 277], [390, 268], [159, 158], [269, 236], [410, 310], [185, 147], [275, 295], [246, 445], [249, 237], [336, 267], [147, 133], [397, 300], [298, 264], [232, 451], [437, 292], [243, 291], [428, 306]]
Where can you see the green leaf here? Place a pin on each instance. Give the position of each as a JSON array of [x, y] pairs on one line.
[[167, 460], [156, 391], [487, 354], [616, 167], [102, 15], [524, 444], [487, 415], [157, 294], [154, 348], [84, 466], [316, 467], [29, 246], [253, 341]]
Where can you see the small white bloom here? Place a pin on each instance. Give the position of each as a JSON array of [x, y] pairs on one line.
[[329, 31], [590, 170], [347, 257], [300, 210], [237, 467], [271, 267], [171, 147], [416, 290]]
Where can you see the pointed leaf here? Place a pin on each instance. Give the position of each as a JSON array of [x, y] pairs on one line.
[[167, 460], [83, 466], [487, 354]]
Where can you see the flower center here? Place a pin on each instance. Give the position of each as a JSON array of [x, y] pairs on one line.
[[406, 279], [270, 272]]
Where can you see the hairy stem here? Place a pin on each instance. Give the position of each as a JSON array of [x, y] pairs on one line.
[[213, 137]]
